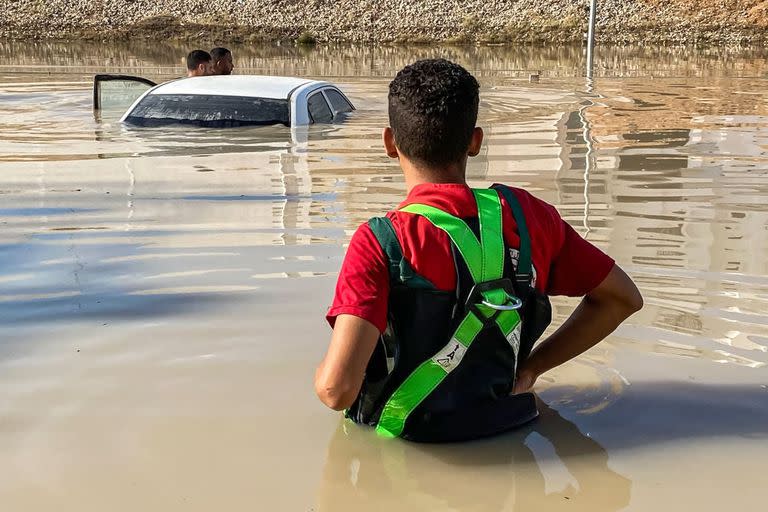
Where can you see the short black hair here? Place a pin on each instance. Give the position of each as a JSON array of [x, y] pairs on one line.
[[219, 53], [433, 111], [197, 57]]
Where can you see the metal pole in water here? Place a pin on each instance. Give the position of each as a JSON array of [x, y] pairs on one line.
[[591, 37]]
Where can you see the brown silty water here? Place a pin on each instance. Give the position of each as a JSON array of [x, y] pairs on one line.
[[162, 291]]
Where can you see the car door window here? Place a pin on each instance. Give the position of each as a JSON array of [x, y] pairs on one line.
[[118, 91], [338, 102], [319, 111]]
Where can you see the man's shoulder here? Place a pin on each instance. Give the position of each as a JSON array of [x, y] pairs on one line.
[[528, 201], [374, 224]]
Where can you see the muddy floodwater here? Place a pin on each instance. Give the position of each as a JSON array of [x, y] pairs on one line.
[[163, 290]]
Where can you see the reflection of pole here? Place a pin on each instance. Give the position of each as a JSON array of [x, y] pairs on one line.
[[131, 187], [591, 37], [588, 164], [589, 158], [587, 168]]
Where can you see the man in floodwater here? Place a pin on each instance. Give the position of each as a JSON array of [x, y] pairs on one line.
[[198, 63], [439, 303], [222, 61]]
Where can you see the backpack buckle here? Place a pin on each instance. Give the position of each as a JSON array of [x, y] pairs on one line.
[[516, 304], [476, 298]]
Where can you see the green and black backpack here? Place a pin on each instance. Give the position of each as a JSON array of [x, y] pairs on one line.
[[446, 365]]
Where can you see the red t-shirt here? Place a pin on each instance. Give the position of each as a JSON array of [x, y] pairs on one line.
[[564, 263]]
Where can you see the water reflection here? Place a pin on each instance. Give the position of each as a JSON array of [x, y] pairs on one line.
[[518, 472], [166, 60], [158, 245]]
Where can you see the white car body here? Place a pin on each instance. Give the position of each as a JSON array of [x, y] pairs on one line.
[[297, 91]]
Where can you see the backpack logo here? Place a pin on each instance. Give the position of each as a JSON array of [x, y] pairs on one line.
[[513, 338], [450, 356], [514, 255], [448, 359]]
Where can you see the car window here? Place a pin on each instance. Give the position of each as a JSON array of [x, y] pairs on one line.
[[319, 111], [338, 102], [209, 110], [118, 91]]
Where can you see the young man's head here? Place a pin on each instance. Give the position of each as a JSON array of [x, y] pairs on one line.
[[432, 115], [198, 63], [222, 61]]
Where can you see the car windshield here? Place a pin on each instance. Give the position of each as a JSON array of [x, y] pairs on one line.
[[208, 110]]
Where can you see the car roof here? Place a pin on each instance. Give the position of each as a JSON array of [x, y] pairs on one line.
[[273, 87]]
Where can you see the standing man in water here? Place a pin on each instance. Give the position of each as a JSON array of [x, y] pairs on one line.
[[198, 63], [439, 303], [222, 61]]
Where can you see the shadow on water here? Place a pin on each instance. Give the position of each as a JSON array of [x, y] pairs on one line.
[[648, 413], [512, 472]]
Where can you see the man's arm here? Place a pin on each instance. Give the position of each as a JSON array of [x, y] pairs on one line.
[[340, 374], [598, 314], [358, 315]]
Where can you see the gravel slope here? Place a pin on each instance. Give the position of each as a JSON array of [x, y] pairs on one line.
[[489, 21]]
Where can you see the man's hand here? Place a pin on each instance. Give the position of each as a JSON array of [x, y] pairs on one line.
[[524, 381], [340, 374], [600, 312]]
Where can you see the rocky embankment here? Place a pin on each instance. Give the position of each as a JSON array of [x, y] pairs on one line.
[[706, 22]]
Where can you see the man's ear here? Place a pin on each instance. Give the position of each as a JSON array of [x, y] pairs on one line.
[[389, 143], [476, 143]]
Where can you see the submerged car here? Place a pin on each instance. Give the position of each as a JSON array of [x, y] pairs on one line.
[[223, 101]]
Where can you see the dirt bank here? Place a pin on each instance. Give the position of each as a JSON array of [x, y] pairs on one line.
[[707, 22]]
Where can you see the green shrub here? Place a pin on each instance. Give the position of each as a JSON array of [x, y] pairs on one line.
[[306, 38]]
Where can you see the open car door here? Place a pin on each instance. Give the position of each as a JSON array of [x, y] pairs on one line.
[[118, 91]]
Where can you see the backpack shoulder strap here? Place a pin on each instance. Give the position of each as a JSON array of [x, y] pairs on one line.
[[524, 272], [400, 270]]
